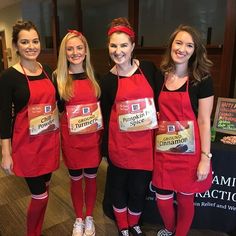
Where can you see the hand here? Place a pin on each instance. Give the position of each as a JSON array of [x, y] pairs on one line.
[[203, 169], [7, 164]]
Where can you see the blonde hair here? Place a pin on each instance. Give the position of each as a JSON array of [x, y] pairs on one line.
[[64, 79]]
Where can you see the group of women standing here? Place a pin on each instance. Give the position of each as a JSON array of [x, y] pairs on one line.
[[135, 118]]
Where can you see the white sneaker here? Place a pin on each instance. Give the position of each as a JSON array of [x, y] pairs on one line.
[[78, 229], [164, 232], [89, 229]]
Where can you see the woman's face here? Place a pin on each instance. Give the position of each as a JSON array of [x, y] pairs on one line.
[[182, 48], [75, 51], [120, 48], [28, 44]]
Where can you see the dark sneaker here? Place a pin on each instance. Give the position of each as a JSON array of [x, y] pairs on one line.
[[164, 232], [124, 232], [136, 231]]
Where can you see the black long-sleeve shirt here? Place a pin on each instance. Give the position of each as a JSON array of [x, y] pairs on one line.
[[14, 93], [109, 86]]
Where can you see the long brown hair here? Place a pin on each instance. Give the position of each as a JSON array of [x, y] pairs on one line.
[[198, 65]]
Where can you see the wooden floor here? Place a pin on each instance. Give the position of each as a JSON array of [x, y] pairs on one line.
[[14, 199]]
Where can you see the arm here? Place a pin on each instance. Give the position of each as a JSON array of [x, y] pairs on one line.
[[7, 163], [204, 123]]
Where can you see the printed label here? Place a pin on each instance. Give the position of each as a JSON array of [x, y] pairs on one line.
[[84, 118], [136, 115]]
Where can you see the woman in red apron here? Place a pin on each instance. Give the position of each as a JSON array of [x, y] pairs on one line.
[[33, 152], [130, 117], [81, 125], [182, 162]]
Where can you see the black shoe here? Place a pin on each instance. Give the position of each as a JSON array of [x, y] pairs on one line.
[[136, 231], [124, 232]]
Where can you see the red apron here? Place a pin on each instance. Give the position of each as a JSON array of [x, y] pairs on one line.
[[80, 150], [35, 155], [131, 150], [173, 171]]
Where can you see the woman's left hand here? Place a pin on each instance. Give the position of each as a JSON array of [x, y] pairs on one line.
[[203, 169]]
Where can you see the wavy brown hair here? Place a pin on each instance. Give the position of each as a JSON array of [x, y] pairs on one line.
[[198, 65]]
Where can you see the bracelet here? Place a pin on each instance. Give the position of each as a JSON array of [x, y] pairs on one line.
[[208, 155]]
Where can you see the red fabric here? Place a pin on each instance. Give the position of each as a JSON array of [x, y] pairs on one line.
[[178, 172], [131, 150], [82, 150], [35, 216], [121, 219], [123, 29], [90, 195], [35, 155], [77, 196], [133, 219], [167, 212], [185, 214]]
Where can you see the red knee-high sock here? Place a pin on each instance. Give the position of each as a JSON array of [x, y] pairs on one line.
[[185, 213], [90, 194], [165, 204], [77, 196], [133, 218], [35, 215], [121, 216]]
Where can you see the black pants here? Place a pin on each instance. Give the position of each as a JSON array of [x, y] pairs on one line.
[[129, 187], [37, 185]]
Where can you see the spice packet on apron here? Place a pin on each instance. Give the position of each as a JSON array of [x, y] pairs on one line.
[[175, 137], [136, 115], [43, 118], [84, 118]]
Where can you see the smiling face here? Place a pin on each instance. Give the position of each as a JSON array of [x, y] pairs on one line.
[[28, 44], [120, 49], [182, 48], [75, 51]]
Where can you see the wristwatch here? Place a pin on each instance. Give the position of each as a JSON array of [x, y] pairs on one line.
[[209, 155]]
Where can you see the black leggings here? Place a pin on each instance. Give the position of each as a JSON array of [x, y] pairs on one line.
[[129, 187], [79, 172], [37, 185]]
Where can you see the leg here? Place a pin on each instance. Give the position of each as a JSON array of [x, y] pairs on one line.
[[119, 181], [38, 204], [138, 185], [90, 189], [77, 195], [90, 175], [185, 213]]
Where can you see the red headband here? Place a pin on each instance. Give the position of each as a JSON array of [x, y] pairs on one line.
[[124, 29], [74, 32]]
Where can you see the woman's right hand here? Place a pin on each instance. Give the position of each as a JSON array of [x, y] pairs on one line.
[[7, 164]]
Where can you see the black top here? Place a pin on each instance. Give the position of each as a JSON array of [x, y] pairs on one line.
[[109, 86], [202, 89], [14, 93], [60, 101]]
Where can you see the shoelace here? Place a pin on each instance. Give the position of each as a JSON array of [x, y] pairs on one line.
[[125, 233], [78, 226], [89, 223], [164, 232], [137, 229]]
